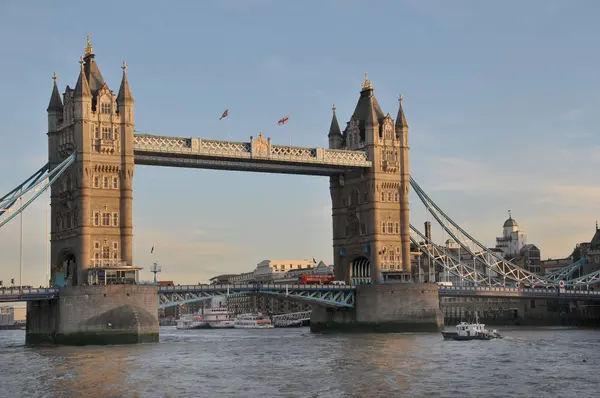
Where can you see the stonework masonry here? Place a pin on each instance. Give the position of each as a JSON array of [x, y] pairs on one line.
[[370, 208], [91, 217], [113, 314], [403, 307]]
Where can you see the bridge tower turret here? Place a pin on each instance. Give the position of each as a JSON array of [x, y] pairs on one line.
[[91, 217], [366, 204]]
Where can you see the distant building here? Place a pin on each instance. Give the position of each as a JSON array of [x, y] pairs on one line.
[[529, 259], [512, 240], [551, 265], [220, 279], [269, 270], [7, 316]]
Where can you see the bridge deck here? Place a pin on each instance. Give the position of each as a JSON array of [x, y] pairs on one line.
[[325, 294], [258, 155]]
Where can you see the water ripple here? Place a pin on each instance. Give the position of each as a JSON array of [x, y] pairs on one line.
[[544, 362]]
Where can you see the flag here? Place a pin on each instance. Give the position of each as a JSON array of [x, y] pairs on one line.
[[225, 114], [314, 261], [283, 121], [152, 250]]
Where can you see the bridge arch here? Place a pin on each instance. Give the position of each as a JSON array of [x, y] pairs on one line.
[[360, 271], [65, 271]]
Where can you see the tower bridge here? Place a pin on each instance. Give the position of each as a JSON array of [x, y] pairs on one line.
[[93, 149]]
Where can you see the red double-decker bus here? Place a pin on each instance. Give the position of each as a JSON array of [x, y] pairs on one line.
[[312, 279]]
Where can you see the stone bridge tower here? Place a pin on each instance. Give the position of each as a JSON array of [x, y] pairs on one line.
[[91, 203], [371, 231]]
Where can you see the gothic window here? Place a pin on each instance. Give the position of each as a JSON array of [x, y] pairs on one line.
[[389, 196], [392, 256], [97, 245], [106, 184], [356, 197], [106, 133], [96, 181], [96, 132], [383, 196], [397, 196], [106, 108], [390, 228], [115, 219], [115, 245], [397, 228], [97, 256], [96, 218], [115, 182], [115, 256], [106, 219], [68, 219], [106, 252], [365, 197], [383, 228]]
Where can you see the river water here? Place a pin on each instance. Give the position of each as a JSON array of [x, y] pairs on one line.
[[543, 362]]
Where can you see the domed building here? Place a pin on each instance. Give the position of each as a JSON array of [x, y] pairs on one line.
[[512, 240]]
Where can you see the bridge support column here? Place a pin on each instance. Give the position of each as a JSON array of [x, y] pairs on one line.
[[389, 308], [82, 315]]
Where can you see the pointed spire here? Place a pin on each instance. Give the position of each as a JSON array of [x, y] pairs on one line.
[[367, 85], [82, 88], [124, 90], [401, 118], [334, 129], [373, 112], [55, 100], [88, 48]]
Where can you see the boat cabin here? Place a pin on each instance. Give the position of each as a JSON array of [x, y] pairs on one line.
[[469, 329]]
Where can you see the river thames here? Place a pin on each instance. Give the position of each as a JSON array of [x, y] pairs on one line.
[[543, 362]]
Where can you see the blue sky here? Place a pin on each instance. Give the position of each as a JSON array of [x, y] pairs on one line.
[[500, 98]]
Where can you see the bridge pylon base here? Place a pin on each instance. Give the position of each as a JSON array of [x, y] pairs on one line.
[[87, 315], [386, 308]]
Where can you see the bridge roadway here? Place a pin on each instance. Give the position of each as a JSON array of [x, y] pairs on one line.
[[326, 295]]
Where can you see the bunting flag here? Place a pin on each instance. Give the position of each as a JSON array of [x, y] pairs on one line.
[[283, 121], [152, 250], [225, 114]]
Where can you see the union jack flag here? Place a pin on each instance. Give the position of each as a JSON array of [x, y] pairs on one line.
[[283, 121]]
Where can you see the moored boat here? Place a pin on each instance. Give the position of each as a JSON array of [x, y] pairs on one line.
[[253, 321], [191, 321], [218, 318]]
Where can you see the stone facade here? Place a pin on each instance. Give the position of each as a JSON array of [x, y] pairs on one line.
[[370, 208], [91, 217], [395, 308], [114, 314]]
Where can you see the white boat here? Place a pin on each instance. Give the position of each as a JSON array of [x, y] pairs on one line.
[[471, 331], [253, 321], [218, 318], [191, 321]]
